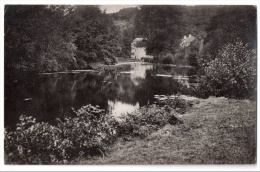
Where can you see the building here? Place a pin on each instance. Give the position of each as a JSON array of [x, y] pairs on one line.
[[186, 41], [138, 53]]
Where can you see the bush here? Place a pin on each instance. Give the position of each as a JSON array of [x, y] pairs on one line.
[[110, 61], [31, 142], [86, 134], [145, 121], [165, 58], [232, 73], [168, 59], [151, 118], [89, 133]]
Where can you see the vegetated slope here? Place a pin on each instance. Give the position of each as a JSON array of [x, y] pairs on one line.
[[124, 20], [216, 131]]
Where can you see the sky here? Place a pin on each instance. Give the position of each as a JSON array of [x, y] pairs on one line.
[[114, 8]]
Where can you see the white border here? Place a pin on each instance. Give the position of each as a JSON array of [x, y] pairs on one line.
[[115, 167]]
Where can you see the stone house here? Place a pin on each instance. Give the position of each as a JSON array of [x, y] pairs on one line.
[[138, 53]]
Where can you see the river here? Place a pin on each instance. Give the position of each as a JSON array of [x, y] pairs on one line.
[[123, 89]]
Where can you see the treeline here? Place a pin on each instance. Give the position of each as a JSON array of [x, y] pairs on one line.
[[44, 38], [213, 26], [52, 38]]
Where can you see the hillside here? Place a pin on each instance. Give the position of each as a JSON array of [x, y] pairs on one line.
[[125, 21]]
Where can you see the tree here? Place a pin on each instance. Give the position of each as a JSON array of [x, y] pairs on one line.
[[43, 38], [37, 38], [231, 23], [96, 36], [125, 14], [124, 20], [195, 19], [232, 73], [160, 24]]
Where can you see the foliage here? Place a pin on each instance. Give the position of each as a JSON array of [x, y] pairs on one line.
[[142, 123], [166, 59], [92, 129], [42, 38], [37, 38], [238, 21], [126, 39], [160, 24], [169, 58], [88, 133], [195, 19], [178, 104], [151, 118], [232, 73], [141, 44], [192, 59], [125, 14], [41, 143], [31, 142], [97, 36], [124, 20], [164, 26]]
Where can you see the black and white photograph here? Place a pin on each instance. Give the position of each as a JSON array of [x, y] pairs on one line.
[[135, 84]]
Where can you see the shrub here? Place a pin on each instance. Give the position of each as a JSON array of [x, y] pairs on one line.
[[178, 104], [168, 59], [151, 118], [232, 73], [31, 142], [107, 61], [88, 133], [143, 122], [91, 129], [41, 143], [165, 58]]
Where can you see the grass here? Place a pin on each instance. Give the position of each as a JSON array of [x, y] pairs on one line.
[[215, 131]]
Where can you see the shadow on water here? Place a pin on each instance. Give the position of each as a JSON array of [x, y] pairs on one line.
[[121, 90]]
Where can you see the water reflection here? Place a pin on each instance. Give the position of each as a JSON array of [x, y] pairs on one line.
[[139, 72], [122, 90], [118, 108]]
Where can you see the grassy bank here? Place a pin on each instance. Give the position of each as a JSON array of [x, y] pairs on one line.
[[215, 131]]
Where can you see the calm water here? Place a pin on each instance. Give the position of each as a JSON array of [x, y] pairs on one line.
[[121, 90]]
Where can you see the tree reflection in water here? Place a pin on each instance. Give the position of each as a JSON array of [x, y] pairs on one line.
[[122, 90]]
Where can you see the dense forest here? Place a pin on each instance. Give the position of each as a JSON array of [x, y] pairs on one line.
[[46, 38], [55, 38]]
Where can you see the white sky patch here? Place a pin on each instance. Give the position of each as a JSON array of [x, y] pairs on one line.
[[115, 8]]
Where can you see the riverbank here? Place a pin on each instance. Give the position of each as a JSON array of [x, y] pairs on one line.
[[215, 131]]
